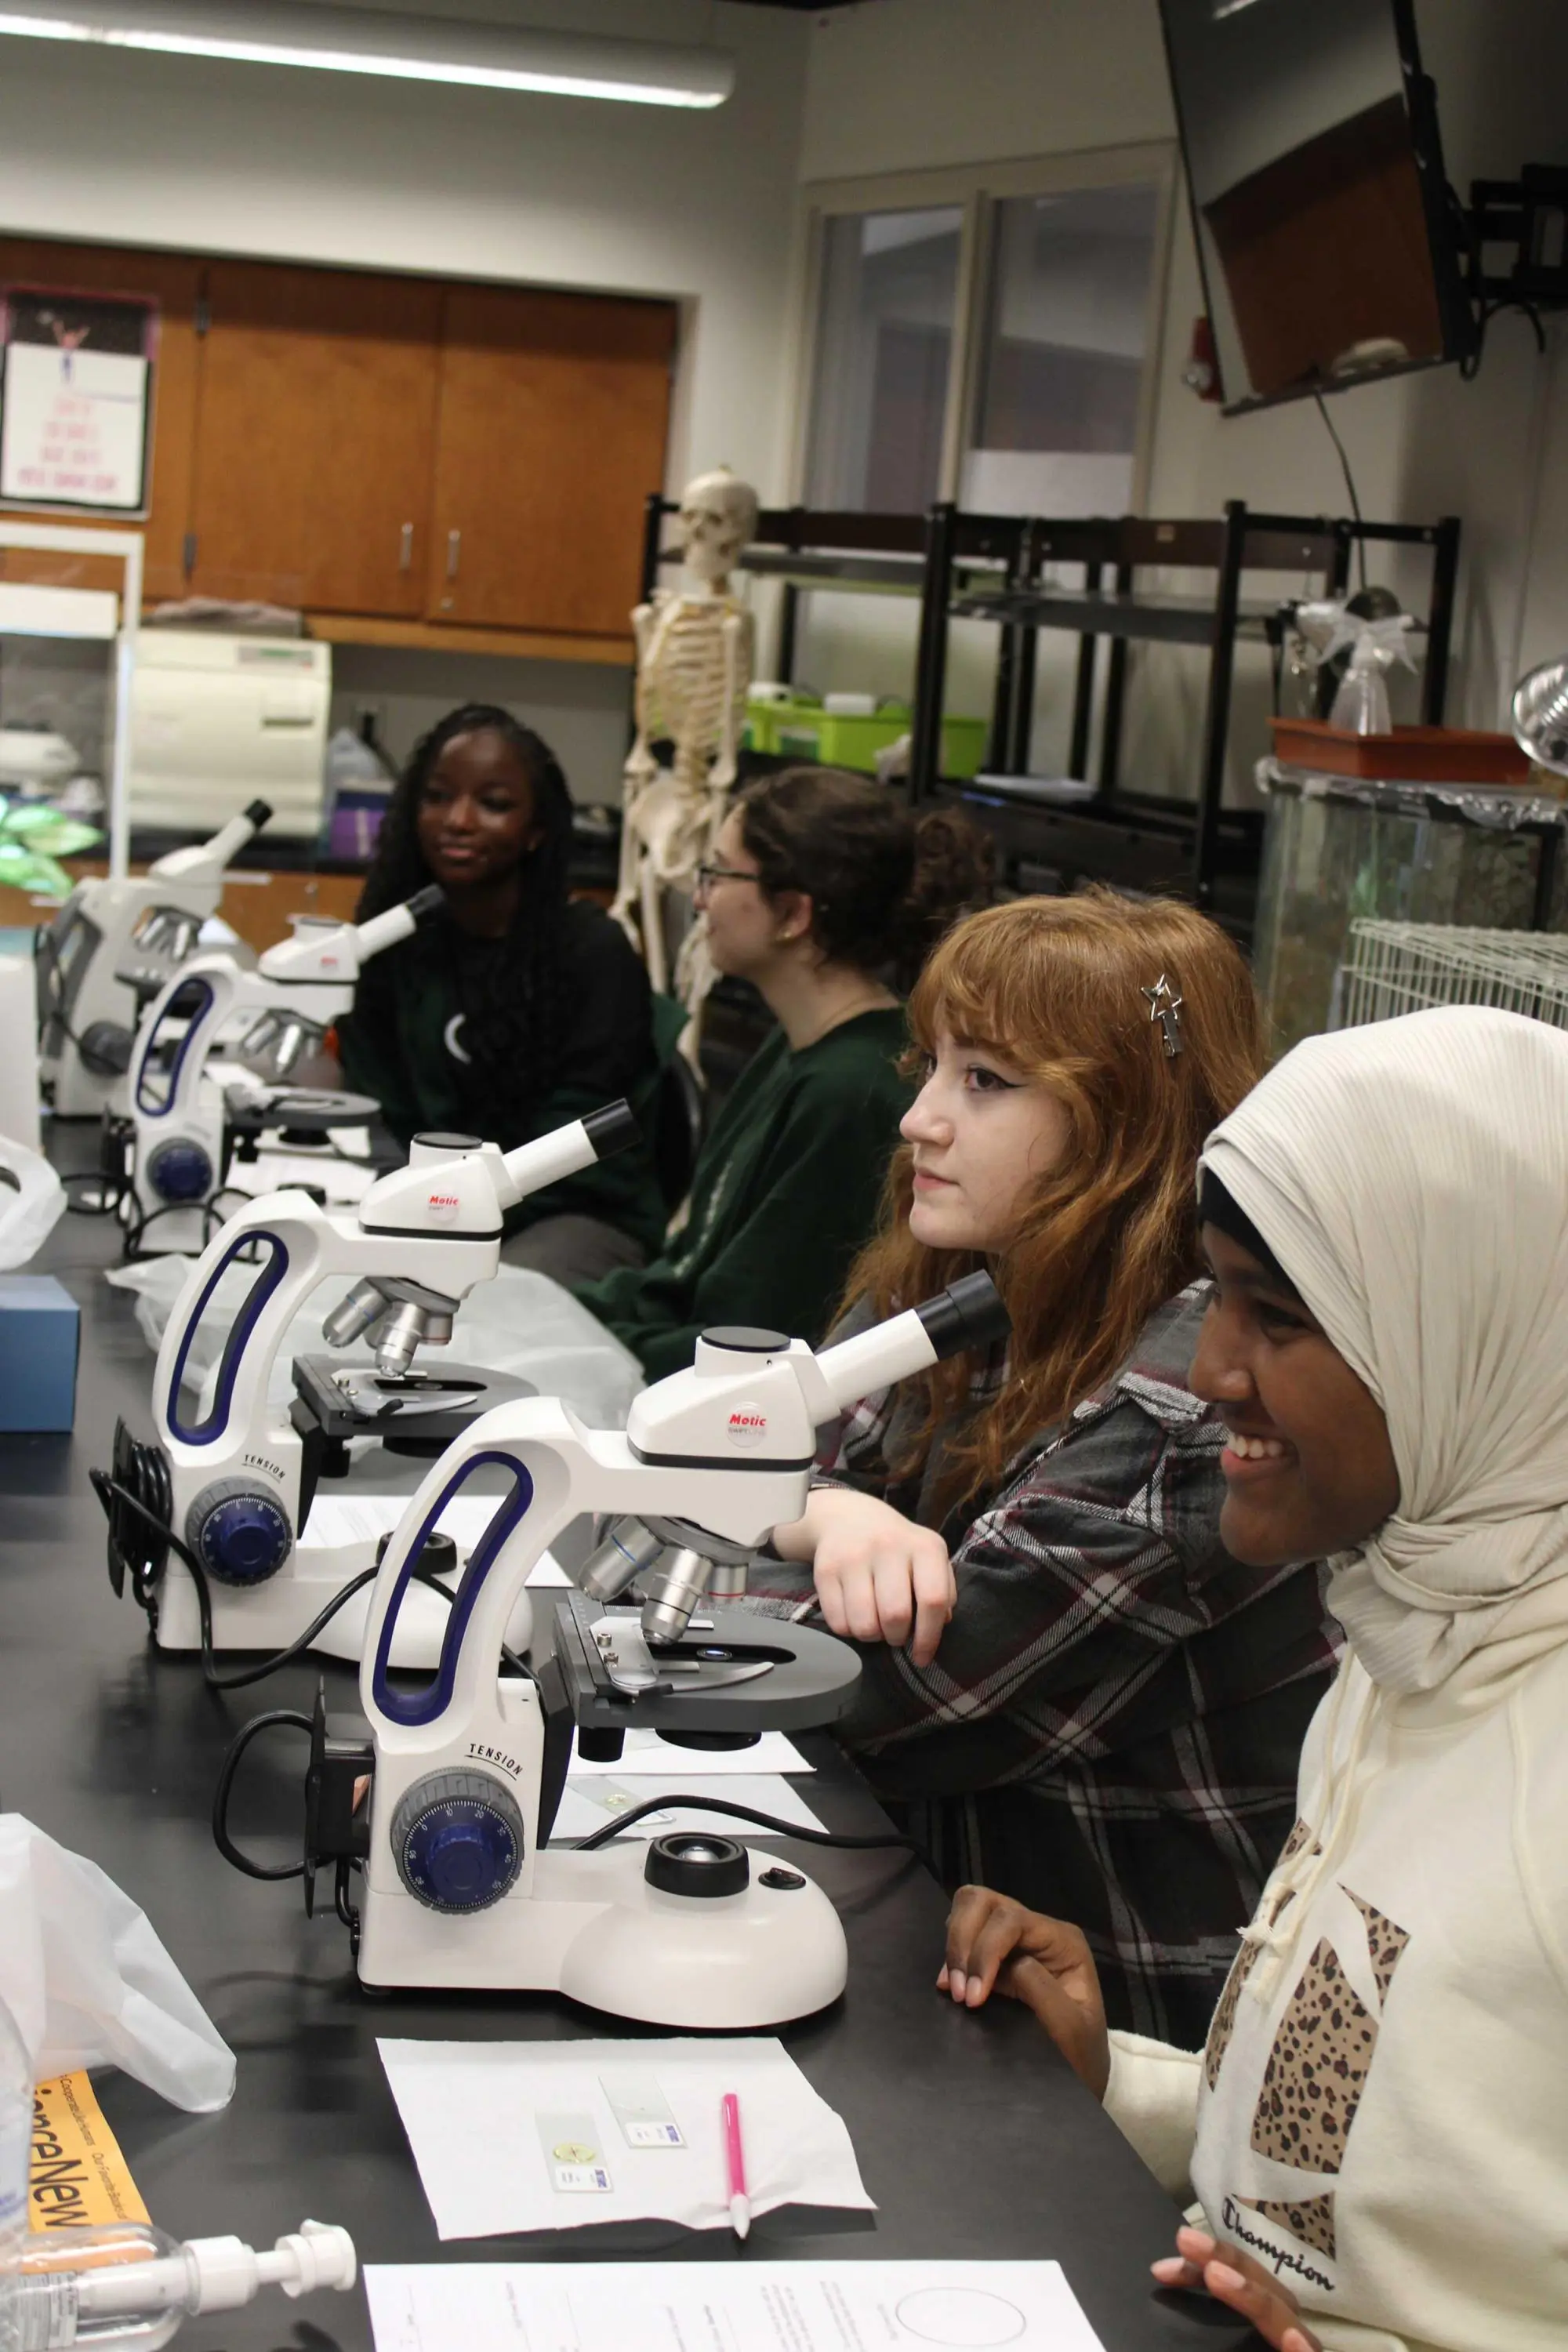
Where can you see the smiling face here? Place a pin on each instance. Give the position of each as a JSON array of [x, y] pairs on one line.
[[1308, 1469], [476, 817], [983, 1134]]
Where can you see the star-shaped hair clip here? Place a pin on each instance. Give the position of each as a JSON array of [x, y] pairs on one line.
[[1165, 1007]]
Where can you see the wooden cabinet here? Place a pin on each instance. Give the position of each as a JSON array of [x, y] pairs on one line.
[[406, 461], [555, 409], [314, 438], [174, 282]]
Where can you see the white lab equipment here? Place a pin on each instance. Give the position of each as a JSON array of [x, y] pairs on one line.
[[172, 1137], [234, 1474], [459, 1887], [218, 719], [107, 945]]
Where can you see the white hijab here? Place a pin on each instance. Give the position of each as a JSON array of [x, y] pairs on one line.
[[1412, 1179]]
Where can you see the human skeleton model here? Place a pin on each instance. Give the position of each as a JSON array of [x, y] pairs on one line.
[[694, 666]]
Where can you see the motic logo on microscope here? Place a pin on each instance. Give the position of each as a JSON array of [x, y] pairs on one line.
[[442, 1207], [747, 1425]]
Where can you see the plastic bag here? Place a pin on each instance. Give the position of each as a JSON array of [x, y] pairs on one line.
[[1362, 702], [1375, 644], [88, 1983], [520, 1323], [32, 1201]]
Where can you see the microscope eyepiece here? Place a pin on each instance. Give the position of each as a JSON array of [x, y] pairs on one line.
[[613, 1128], [968, 1314]]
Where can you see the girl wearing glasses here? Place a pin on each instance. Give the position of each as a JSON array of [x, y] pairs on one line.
[[1071, 1689], [825, 894]]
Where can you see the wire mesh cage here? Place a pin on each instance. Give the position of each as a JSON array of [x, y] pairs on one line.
[[1392, 968]]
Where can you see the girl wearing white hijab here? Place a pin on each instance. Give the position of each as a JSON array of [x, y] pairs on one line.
[[1375, 2130]]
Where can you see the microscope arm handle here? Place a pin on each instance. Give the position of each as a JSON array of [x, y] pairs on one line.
[[290, 1230], [222, 984], [566, 1151], [534, 1441]]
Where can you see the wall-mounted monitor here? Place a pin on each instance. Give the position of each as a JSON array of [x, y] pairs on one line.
[[1329, 245]]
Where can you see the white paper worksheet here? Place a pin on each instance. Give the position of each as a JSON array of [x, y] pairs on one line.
[[738, 2306], [561, 2145]]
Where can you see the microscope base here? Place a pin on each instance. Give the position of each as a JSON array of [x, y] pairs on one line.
[[593, 1929]]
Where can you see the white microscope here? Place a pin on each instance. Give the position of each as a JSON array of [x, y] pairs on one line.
[[105, 943], [461, 1887], [173, 1145], [234, 1477]]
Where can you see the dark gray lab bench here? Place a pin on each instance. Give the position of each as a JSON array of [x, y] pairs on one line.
[[973, 2138]]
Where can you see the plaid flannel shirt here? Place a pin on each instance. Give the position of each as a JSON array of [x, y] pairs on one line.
[[1110, 1730]]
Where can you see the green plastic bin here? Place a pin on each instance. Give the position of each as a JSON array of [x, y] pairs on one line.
[[805, 730]]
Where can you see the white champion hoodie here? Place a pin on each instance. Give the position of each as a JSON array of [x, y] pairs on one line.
[[1381, 2115]]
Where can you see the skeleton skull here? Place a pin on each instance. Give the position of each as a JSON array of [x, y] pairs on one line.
[[718, 515]]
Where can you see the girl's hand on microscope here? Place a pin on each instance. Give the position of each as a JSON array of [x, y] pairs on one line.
[[879, 1578]]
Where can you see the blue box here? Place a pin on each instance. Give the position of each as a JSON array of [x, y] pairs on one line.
[[40, 1328]]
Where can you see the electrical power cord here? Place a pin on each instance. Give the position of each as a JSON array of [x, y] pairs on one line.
[[1350, 480], [839, 1838], [231, 1762], [292, 1719]]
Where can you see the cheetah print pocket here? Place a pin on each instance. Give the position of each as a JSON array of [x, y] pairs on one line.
[[1316, 2071]]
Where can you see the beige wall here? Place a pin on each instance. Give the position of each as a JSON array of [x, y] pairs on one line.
[[339, 169]]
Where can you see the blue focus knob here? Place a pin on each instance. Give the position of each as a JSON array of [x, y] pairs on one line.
[[240, 1535], [457, 1840], [180, 1171]]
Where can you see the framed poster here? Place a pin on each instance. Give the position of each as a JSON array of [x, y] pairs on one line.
[[76, 399]]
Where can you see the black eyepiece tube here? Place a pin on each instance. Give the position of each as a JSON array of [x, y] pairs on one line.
[[425, 902], [613, 1128], [258, 814], [968, 1314]]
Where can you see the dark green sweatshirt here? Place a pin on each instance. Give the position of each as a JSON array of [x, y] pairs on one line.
[[397, 1044], [785, 1192]]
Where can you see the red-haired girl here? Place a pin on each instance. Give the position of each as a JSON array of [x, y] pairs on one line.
[[1071, 1689]]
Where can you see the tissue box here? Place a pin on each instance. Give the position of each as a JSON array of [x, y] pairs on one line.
[[40, 1326]]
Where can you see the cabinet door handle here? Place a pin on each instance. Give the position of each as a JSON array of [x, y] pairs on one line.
[[454, 548], [405, 551]]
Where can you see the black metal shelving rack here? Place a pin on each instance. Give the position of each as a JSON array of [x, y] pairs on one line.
[[1199, 847], [993, 567]]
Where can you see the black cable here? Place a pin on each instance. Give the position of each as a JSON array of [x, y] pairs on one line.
[[238, 1746], [115, 1188], [707, 1804], [110, 1492], [1350, 481]]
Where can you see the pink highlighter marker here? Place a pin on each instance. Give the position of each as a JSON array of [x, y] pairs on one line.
[[735, 2165]]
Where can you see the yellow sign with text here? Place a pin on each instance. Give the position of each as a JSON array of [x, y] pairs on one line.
[[79, 2177]]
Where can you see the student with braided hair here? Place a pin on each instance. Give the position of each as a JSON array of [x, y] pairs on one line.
[[519, 1008]]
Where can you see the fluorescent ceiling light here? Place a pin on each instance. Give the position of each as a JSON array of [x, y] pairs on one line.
[[399, 48]]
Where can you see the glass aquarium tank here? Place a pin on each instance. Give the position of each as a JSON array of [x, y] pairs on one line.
[[1337, 847]]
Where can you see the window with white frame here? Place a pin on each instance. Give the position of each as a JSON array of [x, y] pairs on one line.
[[887, 299], [985, 337]]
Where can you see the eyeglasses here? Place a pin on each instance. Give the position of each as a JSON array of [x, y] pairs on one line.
[[707, 874]]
